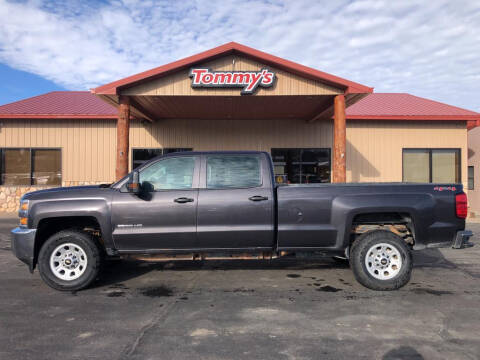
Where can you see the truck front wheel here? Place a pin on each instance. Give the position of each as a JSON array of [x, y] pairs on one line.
[[381, 260], [69, 260]]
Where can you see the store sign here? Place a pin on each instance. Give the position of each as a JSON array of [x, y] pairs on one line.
[[249, 81]]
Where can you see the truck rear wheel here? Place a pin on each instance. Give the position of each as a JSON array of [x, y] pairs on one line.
[[69, 260], [381, 260]]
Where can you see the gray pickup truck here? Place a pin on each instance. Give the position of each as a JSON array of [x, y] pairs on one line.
[[217, 205]]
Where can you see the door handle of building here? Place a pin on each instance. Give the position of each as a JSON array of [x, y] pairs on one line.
[[258, 198], [182, 200]]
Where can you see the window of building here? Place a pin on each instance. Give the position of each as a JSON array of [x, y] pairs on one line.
[[170, 173], [232, 171], [431, 165], [140, 156], [302, 166], [471, 178], [26, 166]]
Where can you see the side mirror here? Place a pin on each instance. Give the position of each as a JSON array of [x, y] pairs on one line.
[[133, 185]]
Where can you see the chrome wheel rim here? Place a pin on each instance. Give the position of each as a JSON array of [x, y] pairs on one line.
[[383, 261], [68, 261]]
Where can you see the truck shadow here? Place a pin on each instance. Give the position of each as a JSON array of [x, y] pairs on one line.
[[403, 352], [122, 270]]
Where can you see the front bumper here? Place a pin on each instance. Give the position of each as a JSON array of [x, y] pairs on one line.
[[461, 240], [23, 245]]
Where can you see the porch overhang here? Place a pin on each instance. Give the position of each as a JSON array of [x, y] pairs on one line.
[[299, 93]]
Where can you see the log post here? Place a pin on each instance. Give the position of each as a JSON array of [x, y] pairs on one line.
[[123, 129], [339, 140]]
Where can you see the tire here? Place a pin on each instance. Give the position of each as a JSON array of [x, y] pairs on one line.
[[80, 260], [389, 263]]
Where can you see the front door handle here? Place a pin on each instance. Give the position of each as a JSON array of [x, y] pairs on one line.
[[258, 198], [182, 200]]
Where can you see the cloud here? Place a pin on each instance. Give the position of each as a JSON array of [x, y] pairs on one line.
[[430, 49]]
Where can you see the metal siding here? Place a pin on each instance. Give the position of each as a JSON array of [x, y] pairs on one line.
[[230, 134], [374, 148], [80, 141], [474, 160]]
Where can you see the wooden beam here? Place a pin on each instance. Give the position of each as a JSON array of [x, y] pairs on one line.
[[123, 130], [325, 114], [339, 140], [139, 109], [325, 111]]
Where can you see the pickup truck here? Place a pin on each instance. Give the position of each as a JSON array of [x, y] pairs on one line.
[[226, 205]]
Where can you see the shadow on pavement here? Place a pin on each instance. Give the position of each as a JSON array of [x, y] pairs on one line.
[[431, 258], [119, 271], [122, 270], [403, 353]]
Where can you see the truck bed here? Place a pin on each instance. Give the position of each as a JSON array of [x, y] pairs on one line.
[[321, 216]]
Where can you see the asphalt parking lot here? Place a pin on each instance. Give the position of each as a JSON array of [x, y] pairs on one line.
[[289, 309]]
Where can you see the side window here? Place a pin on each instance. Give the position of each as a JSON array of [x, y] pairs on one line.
[[471, 178], [232, 171], [170, 173], [31, 166], [141, 156], [431, 165]]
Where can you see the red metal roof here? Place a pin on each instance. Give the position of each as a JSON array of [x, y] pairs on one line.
[[384, 106], [60, 104], [401, 106], [232, 47]]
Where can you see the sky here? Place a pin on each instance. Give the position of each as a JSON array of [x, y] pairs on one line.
[[426, 48]]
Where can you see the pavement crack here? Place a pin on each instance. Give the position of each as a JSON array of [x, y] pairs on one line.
[[129, 351]]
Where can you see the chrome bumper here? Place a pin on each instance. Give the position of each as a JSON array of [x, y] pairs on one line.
[[23, 245], [461, 240]]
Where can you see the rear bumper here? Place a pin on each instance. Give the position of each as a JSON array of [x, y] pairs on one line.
[[23, 245], [461, 239]]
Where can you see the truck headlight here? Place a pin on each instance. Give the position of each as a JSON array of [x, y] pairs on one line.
[[23, 213]]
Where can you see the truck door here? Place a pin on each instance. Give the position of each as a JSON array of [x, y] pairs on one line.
[[235, 202], [163, 215]]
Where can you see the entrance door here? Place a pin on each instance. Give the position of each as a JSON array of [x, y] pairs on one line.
[[235, 203], [163, 216]]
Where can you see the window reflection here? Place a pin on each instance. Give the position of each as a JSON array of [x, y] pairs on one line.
[[302, 166]]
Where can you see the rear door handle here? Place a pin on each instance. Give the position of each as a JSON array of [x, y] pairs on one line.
[[258, 198], [182, 200]]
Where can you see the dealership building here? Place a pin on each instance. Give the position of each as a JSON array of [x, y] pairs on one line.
[[319, 128]]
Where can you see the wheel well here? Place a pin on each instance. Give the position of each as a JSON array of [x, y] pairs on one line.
[[400, 224], [49, 226]]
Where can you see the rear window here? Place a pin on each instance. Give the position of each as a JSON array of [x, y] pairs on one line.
[[233, 171]]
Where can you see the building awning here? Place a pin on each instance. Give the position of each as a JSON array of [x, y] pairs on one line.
[[168, 91]]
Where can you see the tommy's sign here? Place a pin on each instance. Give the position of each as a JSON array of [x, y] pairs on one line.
[[249, 81]]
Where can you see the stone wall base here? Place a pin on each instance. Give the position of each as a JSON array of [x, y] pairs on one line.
[[10, 195]]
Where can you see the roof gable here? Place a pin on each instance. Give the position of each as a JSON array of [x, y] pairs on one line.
[[227, 49], [179, 82]]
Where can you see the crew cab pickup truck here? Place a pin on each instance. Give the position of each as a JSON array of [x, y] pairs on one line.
[[217, 205]]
